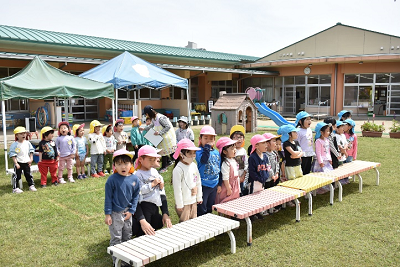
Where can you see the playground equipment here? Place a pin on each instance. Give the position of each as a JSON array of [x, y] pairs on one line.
[[273, 115]]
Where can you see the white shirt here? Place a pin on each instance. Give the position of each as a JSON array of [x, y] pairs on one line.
[[225, 168], [148, 193], [97, 144], [21, 151], [184, 179]]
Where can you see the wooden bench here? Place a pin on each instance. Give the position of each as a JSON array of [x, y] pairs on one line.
[[145, 249], [246, 206]]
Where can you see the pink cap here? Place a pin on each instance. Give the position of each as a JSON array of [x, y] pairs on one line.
[[258, 138], [134, 118], [270, 136], [184, 144], [146, 151], [116, 123], [223, 142], [122, 152], [207, 130]]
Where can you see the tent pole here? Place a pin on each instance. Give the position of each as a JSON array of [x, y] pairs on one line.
[[3, 113], [134, 107], [188, 102], [112, 112], [65, 110], [116, 104]]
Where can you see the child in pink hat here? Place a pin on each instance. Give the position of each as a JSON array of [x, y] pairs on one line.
[[229, 187], [147, 217], [208, 161], [186, 181], [121, 198]]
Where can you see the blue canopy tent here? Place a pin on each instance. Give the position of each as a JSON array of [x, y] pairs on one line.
[[129, 72]]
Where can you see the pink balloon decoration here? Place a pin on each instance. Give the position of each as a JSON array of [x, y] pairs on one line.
[[252, 92]]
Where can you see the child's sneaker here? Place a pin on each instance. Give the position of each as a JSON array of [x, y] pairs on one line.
[[32, 188], [79, 177], [55, 183], [106, 172], [101, 174], [17, 191], [95, 175], [84, 176], [43, 186], [71, 180], [61, 181], [162, 170]]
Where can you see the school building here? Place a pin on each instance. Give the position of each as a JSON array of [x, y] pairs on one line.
[[342, 67]]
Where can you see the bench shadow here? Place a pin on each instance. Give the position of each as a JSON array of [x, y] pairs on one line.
[[97, 255]]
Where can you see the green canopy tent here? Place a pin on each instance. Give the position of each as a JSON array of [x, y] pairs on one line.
[[39, 80]]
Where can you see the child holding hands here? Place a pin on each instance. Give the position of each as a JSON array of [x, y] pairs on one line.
[[48, 156], [186, 181], [237, 133], [82, 150], [209, 162], [230, 187], [111, 145], [66, 146], [152, 194], [97, 149], [21, 152], [293, 152], [121, 198]]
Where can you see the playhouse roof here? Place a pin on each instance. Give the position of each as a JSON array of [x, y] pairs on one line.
[[230, 101]]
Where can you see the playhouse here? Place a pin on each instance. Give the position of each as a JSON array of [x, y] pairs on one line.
[[233, 109]]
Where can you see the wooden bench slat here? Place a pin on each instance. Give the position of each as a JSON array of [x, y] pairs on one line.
[[193, 237], [145, 259], [148, 239], [149, 247], [152, 257], [187, 229], [123, 255], [172, 239], [165, 242], [188, 241]]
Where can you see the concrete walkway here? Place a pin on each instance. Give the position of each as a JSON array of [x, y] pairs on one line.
[[265, 124]]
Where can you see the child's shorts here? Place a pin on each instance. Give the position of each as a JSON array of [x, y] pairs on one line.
[[293, 172], [82, 157]]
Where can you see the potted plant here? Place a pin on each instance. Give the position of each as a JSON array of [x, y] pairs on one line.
[[395, 130], [371, 129]]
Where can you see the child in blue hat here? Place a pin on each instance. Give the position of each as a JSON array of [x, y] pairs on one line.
[[305, 139], [293, 152], [344, 115], [351, 140]]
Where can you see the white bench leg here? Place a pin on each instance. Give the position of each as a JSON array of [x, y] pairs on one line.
[[309, 203], [339, 185], [331, 193], [249, 231], [377, 176], [233, 242], [360, 183], [297, 210], [117, 263]]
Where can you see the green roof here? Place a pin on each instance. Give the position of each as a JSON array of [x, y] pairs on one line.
[[76, 40]]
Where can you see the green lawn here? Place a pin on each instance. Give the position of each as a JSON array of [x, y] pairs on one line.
[[64, 225]]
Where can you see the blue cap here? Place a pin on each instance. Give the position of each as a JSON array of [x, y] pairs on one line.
[[284, 130], [301, 115], [341, 113], [318, 128], [350, 122], [339, 123]]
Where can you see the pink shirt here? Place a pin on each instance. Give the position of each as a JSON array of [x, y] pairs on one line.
[[352, 143], [322, 150]]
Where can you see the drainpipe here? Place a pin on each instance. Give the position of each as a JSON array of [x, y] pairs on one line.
[[335, 89]]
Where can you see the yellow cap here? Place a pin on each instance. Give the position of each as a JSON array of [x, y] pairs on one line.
[[44, 130], [93, 124], [19, 129], [104, 128], [74, 128], [237, 128]]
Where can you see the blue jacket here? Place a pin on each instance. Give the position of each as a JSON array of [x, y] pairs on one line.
[[258, 168], [208, 162], [121, 192]]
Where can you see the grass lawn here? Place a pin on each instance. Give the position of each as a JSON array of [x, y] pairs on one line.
[[64, 225]]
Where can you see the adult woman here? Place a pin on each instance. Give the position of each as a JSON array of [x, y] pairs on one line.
[[162, 126]]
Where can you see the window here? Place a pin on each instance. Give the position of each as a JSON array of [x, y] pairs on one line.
[[313, 95], [350, 95], [382, 78], [144, 93], [229, 86], [350, 78], [122, 94], [319, 90], [194, 89], [366, 78], [325, 79], [395, 77]]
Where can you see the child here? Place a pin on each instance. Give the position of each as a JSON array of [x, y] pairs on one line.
[[137, 138], [344, 115], [184, 131], [48, 157], [237, 133], [66, 146], [208, 162], [351, 140], [111, 145], [147, 142], [292, 151], [120, 135], [97, 149], [305, 139], [229, 188], [334, 150], [21, 152], [273, 160], [323, 162], [281, 159], [341, 141], [152, 194], [258, 167], [186, 181], [82, 150], [121, 197]]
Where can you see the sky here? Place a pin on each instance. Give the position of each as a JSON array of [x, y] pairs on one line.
[[248, 27]]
